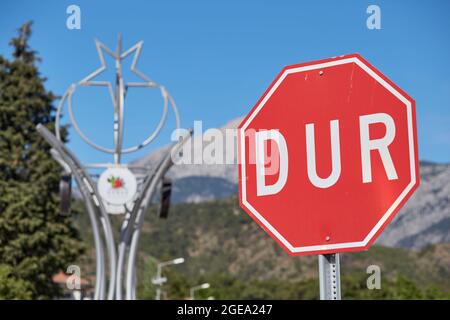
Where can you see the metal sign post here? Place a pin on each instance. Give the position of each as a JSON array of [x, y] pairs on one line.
[[329, 277]]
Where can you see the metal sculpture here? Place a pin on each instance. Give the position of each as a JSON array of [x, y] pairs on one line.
[[121, 258]]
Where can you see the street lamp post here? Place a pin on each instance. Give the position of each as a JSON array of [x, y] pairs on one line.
[[196, 288], [159, 280]]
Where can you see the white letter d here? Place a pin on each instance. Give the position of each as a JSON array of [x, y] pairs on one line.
[[262, 189]]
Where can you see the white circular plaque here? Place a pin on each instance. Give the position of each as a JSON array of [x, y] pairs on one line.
[[117, 186]]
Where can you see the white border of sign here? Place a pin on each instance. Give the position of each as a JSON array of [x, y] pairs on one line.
[[391, 209]]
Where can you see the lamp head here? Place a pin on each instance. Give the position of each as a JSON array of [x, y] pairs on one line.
[[205, 286]]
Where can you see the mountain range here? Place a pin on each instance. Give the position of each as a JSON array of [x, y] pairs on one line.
[[424, 220]]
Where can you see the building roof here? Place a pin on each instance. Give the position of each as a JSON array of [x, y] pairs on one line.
[[61, 278]]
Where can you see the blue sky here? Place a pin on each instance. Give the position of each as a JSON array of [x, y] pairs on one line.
[[217, 57]]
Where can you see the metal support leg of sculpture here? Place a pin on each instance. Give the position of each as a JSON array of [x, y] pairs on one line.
[[90, 195], [131, 227]]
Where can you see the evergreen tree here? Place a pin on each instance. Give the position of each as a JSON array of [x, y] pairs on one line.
[[35, 241], [11, 287]]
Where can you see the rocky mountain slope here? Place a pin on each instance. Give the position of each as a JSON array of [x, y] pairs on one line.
[[199, 168], [425, 219]]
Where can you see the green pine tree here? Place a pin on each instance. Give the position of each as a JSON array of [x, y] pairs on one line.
[[10, 286], [35, 241]]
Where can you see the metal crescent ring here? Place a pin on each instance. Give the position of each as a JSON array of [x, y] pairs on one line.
[[150, 138]]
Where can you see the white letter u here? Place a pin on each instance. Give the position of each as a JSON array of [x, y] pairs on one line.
[[335, 156]]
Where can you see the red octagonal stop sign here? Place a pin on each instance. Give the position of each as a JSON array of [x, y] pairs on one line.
[[328, 155]]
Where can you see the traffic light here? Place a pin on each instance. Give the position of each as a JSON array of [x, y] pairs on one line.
[[65, 193], [166, 191]]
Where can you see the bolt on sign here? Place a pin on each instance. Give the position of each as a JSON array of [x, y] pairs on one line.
[[328, 155]]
